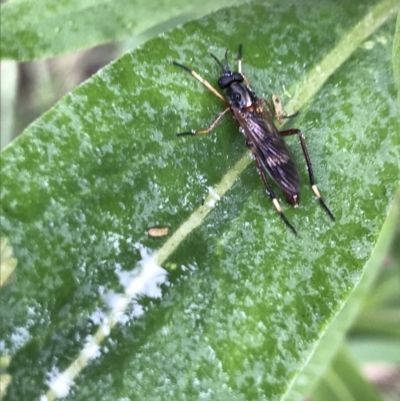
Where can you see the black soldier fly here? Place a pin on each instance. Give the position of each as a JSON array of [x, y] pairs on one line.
[[254, 116]]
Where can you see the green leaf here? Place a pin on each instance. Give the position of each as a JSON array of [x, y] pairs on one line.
[[245, 310], [375, 349], [396, 56], [381, 321], [343, 381], [46, 28], [8, 94], [380, 314]]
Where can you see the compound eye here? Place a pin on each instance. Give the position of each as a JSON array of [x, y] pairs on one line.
[[237, 77], [225, 81]]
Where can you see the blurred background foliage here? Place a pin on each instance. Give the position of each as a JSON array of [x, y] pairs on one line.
[[368, 364]]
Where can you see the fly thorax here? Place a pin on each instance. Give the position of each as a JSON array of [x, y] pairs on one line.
[[238, 96]]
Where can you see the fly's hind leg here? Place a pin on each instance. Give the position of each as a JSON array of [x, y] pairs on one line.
[[309, 167], [271, 193]]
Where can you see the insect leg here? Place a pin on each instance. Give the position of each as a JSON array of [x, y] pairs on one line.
[[207, 130], [272, 195], [202, 80], [309, 167], [277, 109], [240, 57], [279, 114]]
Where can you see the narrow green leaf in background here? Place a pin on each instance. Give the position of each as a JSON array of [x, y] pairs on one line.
[[375, 350], [8, 93], [45, 28], [240, 309], [396, 56], [343, 381]]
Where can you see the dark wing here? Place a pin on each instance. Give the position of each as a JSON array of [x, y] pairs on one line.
[[268, 145]]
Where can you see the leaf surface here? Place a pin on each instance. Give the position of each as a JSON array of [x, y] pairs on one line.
[[46, 28], [241, 309]]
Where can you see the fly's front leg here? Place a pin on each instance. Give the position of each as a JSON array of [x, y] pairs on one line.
[[270, 191], [201, 79], [309, 167], [207, 130], [213, 90]]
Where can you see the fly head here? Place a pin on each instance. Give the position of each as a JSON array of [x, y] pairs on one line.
[[228, 77], [231, 81]]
